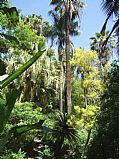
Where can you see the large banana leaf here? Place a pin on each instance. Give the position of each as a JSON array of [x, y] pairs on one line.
[[24, 67]]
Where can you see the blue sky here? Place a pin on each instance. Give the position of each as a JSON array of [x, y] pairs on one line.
[[92, 18]]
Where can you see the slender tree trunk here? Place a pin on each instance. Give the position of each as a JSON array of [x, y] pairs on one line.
[[61, 77], [68, 68], [61, 88]]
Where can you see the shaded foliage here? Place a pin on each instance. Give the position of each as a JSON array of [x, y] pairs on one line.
[[105, 144]]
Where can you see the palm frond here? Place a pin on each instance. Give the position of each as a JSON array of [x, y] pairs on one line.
[[54, 2], [61, 129], [115, 27], [105, 24], [9, 37], [111, 7], [117, 33]]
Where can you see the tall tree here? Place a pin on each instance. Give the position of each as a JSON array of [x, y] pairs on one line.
[[57, 31], [85, 61], [68, 11]]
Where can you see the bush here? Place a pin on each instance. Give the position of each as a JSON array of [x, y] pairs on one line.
[[23, 114]]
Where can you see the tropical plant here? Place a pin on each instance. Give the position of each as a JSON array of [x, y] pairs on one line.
[[63, 138], [68, 11], [37, 24], [104, 52], [7, 101], [23, 125], [57, 30], [111, 8], [40, 83], [10, 78]]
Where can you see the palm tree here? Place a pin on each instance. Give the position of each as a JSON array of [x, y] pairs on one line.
[[57, 31], [68, 10], [103, 51], [111, 8], [37, 24]]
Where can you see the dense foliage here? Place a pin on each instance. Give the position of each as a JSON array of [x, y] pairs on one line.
[[60, 102], [105, 143]]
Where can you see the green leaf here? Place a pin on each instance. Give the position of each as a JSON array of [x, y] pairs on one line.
[[6, 106], [25, 66], [9, 37]]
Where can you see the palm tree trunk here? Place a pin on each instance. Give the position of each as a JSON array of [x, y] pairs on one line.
[[61, 88], [68, 68], [61, 77]]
